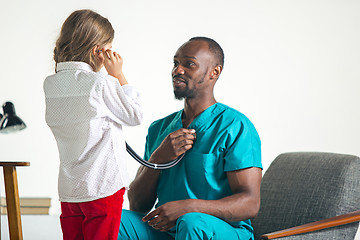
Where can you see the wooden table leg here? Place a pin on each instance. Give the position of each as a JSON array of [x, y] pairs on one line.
[[13, 203]]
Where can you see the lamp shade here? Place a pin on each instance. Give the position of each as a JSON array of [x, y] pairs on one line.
[[10, 122]]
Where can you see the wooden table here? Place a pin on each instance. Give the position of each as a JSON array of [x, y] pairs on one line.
[[12, 198]]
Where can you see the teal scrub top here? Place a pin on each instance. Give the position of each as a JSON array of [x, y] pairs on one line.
[[226, 140]]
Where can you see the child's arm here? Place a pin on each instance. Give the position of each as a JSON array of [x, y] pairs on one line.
[[113, 65], [123, 102]]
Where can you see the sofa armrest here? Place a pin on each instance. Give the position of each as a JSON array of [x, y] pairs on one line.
[[314, 226]]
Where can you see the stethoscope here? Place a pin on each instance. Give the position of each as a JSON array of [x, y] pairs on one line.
[[160, 166]]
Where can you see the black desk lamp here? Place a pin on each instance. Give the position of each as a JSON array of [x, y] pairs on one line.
[[10, 122]]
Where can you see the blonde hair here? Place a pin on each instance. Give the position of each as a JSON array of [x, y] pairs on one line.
[[81, 31]]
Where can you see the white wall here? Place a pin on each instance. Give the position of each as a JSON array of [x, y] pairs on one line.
[[292, 66]]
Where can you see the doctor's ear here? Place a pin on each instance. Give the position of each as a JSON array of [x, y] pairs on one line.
[[216, 72]]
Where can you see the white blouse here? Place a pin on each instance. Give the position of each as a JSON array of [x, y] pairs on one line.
[[86, 111]]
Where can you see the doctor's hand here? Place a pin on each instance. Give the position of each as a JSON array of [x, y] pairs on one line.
[[175, 144], [164, 217]]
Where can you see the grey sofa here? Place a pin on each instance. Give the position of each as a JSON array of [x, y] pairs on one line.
[[304, 187]]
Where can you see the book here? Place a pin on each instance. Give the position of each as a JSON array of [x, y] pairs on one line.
[[28, 210], [30, 202], [29, 205]]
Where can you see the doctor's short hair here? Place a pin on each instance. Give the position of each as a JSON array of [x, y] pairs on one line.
[[81, 31], [214, 48]]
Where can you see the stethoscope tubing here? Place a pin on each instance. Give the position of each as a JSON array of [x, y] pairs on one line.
[[159, 166]]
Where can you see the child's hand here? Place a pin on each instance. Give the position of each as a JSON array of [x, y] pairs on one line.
[[113, 65]]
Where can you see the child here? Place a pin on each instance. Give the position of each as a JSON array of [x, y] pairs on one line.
[[86, 110]]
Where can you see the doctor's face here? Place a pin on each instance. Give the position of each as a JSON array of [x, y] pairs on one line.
[[191, 72]]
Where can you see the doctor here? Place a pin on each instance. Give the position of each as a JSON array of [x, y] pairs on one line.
[[215, 190]]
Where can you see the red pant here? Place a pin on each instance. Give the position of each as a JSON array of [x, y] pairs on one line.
[[98, 219]]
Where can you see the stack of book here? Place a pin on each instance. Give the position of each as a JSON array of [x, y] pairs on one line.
[[29, 205]]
